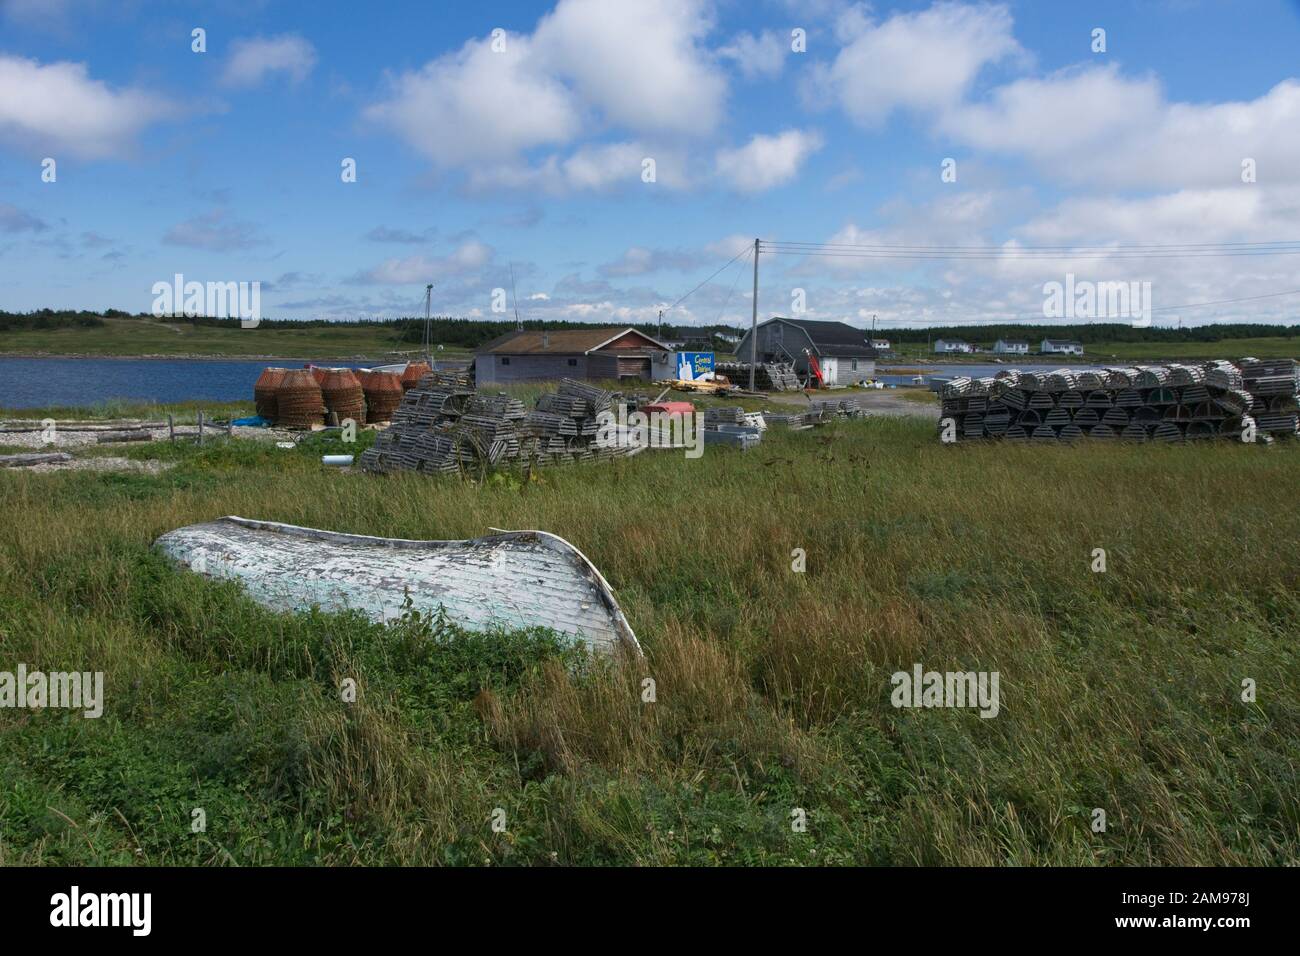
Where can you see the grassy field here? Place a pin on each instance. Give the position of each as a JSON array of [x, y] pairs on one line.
[[127, 337], [1119, 691]]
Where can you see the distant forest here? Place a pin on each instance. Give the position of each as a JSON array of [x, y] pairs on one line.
[[444, 330], [471, 333]]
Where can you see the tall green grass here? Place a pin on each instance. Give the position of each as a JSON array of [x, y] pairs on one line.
[[1120, 691]]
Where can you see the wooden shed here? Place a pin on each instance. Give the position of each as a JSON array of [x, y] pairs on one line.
[[619, 352]]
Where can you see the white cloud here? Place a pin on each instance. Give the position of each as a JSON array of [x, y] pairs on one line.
[[589, 64], [767, 161], [921, 61], [470, 256], [475, 105], [253, 58], [1096, 125], [596, 167], [759, 56], [640, 64], [58, 109]]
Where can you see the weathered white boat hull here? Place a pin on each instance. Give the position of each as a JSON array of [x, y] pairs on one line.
[[513, 579]]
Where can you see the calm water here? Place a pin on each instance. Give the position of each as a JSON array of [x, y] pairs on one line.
[[37, 382]]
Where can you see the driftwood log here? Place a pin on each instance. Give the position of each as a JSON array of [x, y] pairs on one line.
[[34, 458]]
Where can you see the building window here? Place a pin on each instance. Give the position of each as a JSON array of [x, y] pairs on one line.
[[504, 360], [573, 362], [855, 365]]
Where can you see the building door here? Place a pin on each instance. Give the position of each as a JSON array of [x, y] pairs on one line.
[[634, 368]]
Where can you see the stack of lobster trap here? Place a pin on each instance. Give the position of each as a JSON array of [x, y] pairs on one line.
[[1169, 403], [443, 425]]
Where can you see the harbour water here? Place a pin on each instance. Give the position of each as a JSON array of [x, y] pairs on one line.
[[41, 382]]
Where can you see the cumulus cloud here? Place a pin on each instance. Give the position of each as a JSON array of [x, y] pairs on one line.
[[757, 56], [477, 104], [470, 256], [252, 59], [926, 60], [214, 231], [1097, 125], [767, 161], [642, 65], [594, 167], [58, 109], [588, 65]]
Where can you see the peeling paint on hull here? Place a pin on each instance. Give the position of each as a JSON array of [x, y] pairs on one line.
[[513, 579]]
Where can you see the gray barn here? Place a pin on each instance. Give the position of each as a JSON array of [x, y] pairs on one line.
[[599, 353], [843, 352]]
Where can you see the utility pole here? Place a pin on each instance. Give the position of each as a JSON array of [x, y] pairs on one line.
[[428, 302], [753, 326], [661, 325]]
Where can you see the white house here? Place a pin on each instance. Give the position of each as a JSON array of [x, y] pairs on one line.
[[880, 345], [950, 346], [1011, 347], [1061, 347]]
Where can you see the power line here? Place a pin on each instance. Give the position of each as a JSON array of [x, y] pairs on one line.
[[1028, 256], [731, 292], [709, 279], [988, 248]]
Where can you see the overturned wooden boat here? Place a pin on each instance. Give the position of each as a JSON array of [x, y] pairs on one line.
[[511, 579]]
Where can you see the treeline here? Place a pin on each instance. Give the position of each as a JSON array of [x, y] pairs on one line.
[[461, 333], [443, 329], [471, 333], [52, 319], [1093, 332]]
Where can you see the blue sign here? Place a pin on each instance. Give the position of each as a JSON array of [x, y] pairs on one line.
[[693, 365]]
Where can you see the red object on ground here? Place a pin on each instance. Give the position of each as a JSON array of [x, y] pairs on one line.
[[815, 379], [670, 408]]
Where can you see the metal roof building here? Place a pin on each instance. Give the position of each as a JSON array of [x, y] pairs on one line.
[[843, 352]]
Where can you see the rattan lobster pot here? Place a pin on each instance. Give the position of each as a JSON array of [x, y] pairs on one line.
[[383, 394], [317, 373], [412, 374], [298, 400], [343, 395], [264, 392]]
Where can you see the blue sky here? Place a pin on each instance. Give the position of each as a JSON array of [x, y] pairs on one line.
[[225, 165]]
